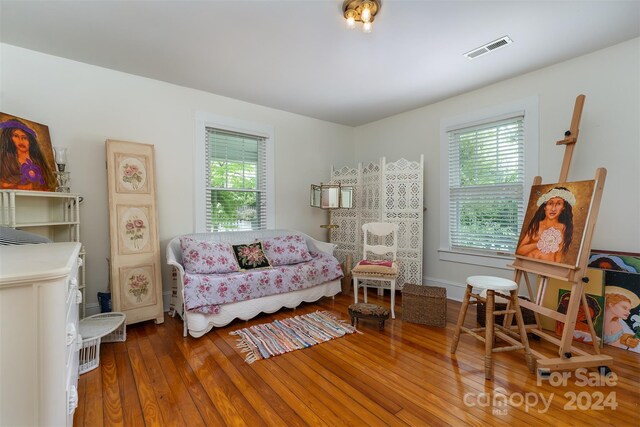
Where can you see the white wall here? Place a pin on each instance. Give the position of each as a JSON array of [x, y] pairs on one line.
[[609, 137], [84, 105]]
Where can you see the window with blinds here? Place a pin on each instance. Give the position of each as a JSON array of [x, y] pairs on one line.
[[486, 185], [236, 181]]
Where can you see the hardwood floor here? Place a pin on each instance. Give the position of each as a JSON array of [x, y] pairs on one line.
[[404, 375]]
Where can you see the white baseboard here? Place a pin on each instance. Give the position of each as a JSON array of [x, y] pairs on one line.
[[91, 309], [94, 308], [455, 291]]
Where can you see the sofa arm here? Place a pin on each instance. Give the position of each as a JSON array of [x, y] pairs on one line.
[[174, 256], [325, 247]]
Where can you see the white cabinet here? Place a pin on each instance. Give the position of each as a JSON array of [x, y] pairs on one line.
[[52, 215], [39, 340]]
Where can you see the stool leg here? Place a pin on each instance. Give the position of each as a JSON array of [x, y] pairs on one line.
[[461, 316], [355, 289], [393, 299], [488, 337], [523, 332]]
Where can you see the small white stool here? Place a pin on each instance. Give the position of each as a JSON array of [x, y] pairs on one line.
[[491, 285]]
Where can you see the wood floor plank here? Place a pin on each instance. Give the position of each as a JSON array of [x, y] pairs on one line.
[[171, 413], [199, 396], [262, 394], [131, 409], [78, 415], [93, 409], [404, 375], [148, 403], [232, 406], [179, 392], [113, 415], [249, 391]]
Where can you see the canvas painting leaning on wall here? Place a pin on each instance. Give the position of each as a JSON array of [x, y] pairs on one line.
[[26, 155]]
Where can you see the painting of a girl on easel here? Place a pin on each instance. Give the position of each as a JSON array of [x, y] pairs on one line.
[[555, 221]]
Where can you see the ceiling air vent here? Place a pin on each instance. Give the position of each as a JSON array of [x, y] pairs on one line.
[[489, 47]]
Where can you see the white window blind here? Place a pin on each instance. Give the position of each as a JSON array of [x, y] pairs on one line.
[[486, 185], [236, 181]]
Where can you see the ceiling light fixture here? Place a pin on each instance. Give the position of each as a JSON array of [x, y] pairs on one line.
[[360, 11]]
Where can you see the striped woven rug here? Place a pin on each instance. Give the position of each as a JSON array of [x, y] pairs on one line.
[[282, 336]]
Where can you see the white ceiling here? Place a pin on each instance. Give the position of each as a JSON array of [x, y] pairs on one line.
[[298, 56]]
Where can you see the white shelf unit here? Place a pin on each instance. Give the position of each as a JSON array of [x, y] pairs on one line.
[[55, 216]]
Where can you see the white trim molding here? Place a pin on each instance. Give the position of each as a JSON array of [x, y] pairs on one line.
[[530, 108], [204, 120]]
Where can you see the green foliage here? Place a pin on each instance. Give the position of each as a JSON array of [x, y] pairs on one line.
[[488, 158], [230, 200], [483, 162], [490, 224]]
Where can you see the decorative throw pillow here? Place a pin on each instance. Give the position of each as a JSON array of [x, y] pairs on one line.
[[202, 257], [251, 256], [286, 250]]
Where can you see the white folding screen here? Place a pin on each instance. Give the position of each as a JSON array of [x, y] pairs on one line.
[[383, 192]]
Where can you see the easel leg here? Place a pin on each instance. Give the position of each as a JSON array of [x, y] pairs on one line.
[[530, 290], [523, 332], [572, 313], [594, 337]]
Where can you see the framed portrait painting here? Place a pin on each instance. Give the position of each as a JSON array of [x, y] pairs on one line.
[[555, 222], [26, 155]]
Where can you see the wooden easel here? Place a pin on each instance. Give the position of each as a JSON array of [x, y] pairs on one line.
[[569, 356]]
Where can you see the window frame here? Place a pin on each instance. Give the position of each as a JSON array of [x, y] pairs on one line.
[[205, 120], [529, 107]]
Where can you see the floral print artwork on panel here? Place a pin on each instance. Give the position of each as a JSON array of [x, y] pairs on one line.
[[132, 174], [134, 229], [137, 287]]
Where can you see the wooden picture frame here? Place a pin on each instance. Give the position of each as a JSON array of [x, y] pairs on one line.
[[26, 155], [135, 248]]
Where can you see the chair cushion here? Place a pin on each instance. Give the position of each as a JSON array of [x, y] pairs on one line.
[[366, 268]]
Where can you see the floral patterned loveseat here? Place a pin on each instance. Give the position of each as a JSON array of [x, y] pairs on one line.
[[213, 289]]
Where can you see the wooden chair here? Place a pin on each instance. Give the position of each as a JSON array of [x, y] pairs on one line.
[[377, 273]]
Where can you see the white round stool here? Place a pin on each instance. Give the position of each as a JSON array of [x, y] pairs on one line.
[[491, 285]]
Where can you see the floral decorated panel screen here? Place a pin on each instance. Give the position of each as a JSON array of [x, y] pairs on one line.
[[135, 250]]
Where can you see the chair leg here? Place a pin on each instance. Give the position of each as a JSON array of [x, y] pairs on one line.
[[531, 363], [355, 290], [488, 338], [461, 316], [393, 299], [365, 290]]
